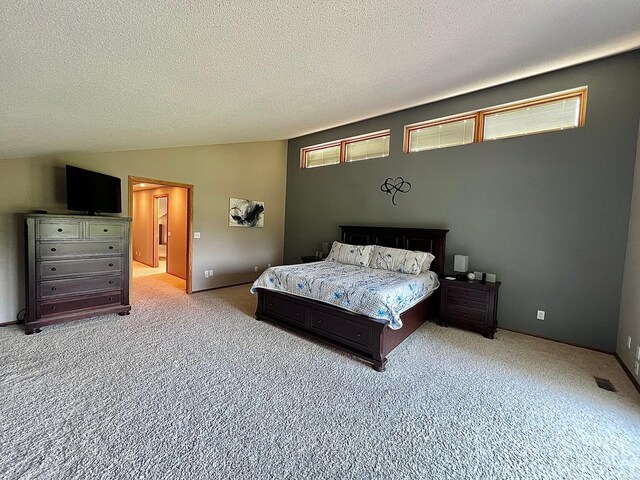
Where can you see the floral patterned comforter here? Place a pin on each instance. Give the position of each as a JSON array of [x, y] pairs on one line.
[[376, 293]]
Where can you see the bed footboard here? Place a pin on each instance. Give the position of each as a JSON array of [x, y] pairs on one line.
[[365, 337]]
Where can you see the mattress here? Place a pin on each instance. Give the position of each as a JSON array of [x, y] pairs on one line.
[[372, 292]]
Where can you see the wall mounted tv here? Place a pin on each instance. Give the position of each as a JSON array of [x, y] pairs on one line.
[[92, 192]]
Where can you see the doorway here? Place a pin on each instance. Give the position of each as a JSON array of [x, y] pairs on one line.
[[162, 229]]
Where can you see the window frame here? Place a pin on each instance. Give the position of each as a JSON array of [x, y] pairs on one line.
[[435, 123], [478, 115], [342, 143]]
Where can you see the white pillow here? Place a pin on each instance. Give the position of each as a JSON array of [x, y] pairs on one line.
[[400, 260], [427, 261], [350, 254]]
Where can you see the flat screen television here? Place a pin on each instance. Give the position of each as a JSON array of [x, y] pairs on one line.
[[92, 192]]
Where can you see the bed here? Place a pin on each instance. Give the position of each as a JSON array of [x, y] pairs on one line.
[[368, 338]]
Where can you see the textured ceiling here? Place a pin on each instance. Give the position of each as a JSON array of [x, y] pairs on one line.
[[94, 75]]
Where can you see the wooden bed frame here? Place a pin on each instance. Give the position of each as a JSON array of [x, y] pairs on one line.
[[368, 338]]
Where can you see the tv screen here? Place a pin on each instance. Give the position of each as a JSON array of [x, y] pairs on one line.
[[92, 192]]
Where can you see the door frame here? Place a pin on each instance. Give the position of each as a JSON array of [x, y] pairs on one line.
[[156, 260], [132, 181]]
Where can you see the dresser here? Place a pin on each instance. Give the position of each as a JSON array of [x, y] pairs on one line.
[[470, 304], [76, 267]]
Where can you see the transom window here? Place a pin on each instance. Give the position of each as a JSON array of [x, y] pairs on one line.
[[352, 149], [557, 111]]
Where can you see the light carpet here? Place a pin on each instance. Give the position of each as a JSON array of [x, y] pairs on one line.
[[195, 387]]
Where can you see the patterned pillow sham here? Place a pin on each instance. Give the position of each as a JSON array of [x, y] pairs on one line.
[[399, 260], [359, 255]]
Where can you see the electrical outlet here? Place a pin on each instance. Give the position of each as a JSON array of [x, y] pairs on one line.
[[637, 365], [638, 353], [255, 268], [196, 234], [268, 265], [206, 274], [629, 342], [540, 315], [211, 273]]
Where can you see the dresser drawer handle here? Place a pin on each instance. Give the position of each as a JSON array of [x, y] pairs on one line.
[[319, 321], [271, 304], [298, 314], [53, 269], [105, 230], [359, 334], [53, 307], [53, 249], [60, 230], [110, 298], [110, 247], [53, 289], [110, 282], [466, 292], [111, 264]]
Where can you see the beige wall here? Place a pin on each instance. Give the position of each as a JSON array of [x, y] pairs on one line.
[[629, 324], [248, 170], [143, 225]]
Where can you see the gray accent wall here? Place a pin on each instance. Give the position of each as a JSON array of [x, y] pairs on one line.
[[629, 326], [547, 213]]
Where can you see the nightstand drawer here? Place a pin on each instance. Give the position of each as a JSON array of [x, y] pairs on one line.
[[471, 303], [467, 314], [468, 293]]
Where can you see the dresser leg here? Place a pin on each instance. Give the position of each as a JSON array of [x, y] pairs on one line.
[[490, 336], [32, 331], [380, 366], [122, 314]]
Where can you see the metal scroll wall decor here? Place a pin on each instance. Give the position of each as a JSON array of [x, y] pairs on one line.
[[393, 186]]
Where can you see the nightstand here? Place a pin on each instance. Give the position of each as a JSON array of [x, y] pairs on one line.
[[470, 304], [310, 258]]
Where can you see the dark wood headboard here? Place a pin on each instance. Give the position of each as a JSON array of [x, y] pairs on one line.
[[429, 240]]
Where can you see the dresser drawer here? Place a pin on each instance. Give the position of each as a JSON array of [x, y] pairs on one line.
[[54, 288], [340, 328], [103, 230], [472, 294], [53, 308], [58, 229], [48, 250], [288, 311], [57, 269]]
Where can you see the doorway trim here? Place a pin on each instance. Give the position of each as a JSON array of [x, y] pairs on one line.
[[132, 181], [156, 244]]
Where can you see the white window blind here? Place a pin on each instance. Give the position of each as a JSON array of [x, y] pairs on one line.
[[443, 135], [555, 115], [365, 149], [322, 156]]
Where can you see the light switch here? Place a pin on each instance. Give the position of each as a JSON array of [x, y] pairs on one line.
[[196, 234]]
